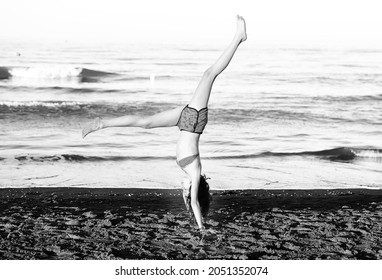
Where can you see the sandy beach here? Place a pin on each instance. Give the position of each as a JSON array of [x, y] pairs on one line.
[[83, 223]]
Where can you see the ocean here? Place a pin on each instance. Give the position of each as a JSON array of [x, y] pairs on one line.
[[279, 118]]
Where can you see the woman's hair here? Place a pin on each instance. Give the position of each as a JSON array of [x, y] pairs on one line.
[[204, 196]]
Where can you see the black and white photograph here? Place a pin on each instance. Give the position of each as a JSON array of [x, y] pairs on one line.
[[190, 130]]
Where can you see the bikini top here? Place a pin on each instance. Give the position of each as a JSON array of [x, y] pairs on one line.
[[192, 120]]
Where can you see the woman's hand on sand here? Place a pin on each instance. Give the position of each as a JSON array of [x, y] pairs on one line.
[[205, 231]]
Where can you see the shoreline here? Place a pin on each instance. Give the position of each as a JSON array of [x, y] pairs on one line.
[[176, 187], [112, 223]]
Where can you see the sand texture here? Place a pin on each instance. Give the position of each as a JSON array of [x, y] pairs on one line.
[[82, 223]]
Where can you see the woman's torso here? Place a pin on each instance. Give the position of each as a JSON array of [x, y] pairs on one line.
[[188, 144]]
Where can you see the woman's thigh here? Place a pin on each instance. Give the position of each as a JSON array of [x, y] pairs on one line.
[[166, 118]]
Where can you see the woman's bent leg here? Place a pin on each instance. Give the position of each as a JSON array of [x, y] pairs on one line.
[[202, 93]]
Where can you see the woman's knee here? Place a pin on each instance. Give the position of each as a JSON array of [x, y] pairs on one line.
[[209, 74], [146, 123]]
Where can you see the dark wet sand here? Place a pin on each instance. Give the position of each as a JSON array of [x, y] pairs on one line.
[[83, 223]]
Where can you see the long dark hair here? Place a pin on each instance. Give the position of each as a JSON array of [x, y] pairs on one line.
[[204, 197]]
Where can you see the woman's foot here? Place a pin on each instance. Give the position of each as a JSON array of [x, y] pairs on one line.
[[91, 127], [240, 28]]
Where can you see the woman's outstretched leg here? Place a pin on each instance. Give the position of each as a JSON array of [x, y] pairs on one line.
[[163, 119], [202, 93]]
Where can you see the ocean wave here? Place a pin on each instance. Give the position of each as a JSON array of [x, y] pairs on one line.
[[4, 73], [368, 153], [220, 115], [60, 108], [259, 113], [37, 104], [336, 154], [145, 108], [62, 72], [54, 72], [350, 98], [342, 154], [82, 158], [65, 89], [332, 79]]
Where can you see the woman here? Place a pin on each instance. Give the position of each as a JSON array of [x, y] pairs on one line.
[[191, 121]]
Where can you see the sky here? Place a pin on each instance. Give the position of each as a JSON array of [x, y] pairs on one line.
[[269, 22]]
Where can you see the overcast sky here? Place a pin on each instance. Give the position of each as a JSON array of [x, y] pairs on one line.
[[269, 22]]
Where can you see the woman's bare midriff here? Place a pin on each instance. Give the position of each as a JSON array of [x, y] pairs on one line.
[[188, 144]]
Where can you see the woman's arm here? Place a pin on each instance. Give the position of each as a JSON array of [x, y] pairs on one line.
[[194, 196]]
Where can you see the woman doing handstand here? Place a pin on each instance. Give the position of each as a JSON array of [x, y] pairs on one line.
[[191, 120]]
